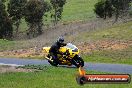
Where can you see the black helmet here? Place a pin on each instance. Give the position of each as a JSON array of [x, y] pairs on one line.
[[60, 40]]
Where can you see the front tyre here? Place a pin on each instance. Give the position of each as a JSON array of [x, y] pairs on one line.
[[78, 61], [81, 62]]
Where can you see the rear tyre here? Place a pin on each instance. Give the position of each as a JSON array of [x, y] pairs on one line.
[[53, 63]]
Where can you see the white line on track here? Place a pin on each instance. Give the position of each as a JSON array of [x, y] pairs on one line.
[[10, 64]]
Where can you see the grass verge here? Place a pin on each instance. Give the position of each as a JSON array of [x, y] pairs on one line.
[[118, 32], [121, 32], [110, 56], [50, 77], [13, 45], [75, 10], [6, 44]]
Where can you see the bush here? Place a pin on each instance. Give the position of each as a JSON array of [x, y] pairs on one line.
[[58, 9], [103, 9], [16, 11], [108, 8], [99, 9], [34, 12], [6, 29]]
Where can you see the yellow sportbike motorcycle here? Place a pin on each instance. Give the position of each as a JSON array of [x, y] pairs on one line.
[[70, 56]]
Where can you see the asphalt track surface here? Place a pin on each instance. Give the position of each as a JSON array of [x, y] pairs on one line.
[[103, 67]]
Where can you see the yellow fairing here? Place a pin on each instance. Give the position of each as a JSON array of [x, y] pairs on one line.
[[72, 54], [46, 49], [62, 49], [69, 55]]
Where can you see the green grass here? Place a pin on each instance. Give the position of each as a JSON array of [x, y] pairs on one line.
[[12, 45], [118, 32], [110, 56], [79, 10], [6, 44], [121, 32], [51, 77], [23, 26], [76, 10]]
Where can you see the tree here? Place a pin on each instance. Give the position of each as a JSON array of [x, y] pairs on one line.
[[58, 9], [103, 9], [130, 10], [34, 12], [6, 29], [120, 7], [16, 10], [109, 8]]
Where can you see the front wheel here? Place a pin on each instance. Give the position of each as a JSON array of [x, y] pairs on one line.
[[78, 61]]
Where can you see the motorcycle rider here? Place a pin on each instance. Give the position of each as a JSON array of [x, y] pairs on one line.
[[54, 50]]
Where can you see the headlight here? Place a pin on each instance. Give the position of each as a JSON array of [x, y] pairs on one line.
[[75, 50]]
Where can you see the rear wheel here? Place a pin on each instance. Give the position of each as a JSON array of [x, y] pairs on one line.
[[51, 61]]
